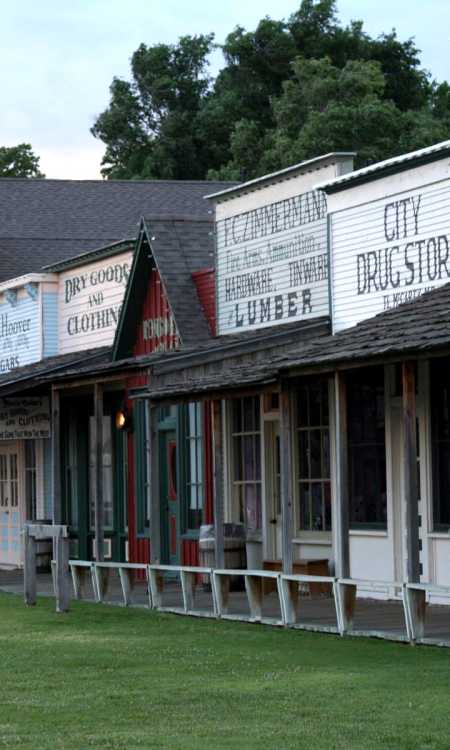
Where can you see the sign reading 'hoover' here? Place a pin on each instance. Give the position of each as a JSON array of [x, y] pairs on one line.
[[389, 252], [272, 264], [90, 298]]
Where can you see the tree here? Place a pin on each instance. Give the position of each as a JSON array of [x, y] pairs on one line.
[[19, 161], [290, 89], [150, 125]]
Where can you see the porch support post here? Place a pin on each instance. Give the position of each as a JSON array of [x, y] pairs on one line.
[[410, 471], [218, 503], [56, 456], [341, 519], [98, 488], [287, 514], [155, 500]]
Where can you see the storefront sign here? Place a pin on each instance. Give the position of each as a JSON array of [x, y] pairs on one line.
[[19, 333], [90, 298], [272, 264], [389, 251], [161, 332], [24, 418]]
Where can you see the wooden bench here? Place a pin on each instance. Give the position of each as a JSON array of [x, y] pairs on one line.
[[305, 567]]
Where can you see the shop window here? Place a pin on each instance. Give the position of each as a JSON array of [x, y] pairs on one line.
[[440, 441], [367, 449], [141, 471], [246, 460], [31, 480], [107, 473], [313, 454], [194, 466]]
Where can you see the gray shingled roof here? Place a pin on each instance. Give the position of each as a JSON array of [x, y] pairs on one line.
[[416, 328], [44, 221], [180, 247]]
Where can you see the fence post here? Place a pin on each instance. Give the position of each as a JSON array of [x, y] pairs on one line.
[[29, 572], [62, 572]]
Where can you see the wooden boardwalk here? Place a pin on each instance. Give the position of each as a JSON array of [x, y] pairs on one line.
[[373, 617]]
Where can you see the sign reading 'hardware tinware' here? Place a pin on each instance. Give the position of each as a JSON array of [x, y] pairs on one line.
[[272, 264]]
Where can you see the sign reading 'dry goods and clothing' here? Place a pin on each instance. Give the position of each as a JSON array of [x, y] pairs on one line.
[[389, 251], [90, 298], [272, 264], [24, 418]]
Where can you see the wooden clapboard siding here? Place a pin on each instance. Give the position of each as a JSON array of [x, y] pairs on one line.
[[189, 552], [205, 283], [50, 324], [155, 308]]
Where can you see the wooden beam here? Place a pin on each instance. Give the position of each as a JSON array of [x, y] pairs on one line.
[[56, 458], [287, 509], [342, 515], [98, 473], [218, 500], [155, 500], [410, 483]]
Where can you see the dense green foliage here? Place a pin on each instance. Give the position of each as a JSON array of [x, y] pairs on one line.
[[289, 90], [19, 161], [109, 677]]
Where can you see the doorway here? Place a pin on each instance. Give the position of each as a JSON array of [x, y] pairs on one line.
[[170, 553], [273, 488], [10, 520]]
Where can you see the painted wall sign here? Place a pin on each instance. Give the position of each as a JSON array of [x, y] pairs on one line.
[[389, 251], [272, 263], [19, 332], [90, 298], [24, 418]]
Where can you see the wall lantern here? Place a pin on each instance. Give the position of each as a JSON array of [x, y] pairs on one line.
[[123, 420]]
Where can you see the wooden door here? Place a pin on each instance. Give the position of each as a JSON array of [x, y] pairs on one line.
[[273, 488], [10, 521], [170, 553]]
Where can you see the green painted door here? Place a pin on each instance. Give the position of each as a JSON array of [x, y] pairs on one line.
[[170, 548]]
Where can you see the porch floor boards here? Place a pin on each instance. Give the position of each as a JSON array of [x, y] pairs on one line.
[[372, 616]]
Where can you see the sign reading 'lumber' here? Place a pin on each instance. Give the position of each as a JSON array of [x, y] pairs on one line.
[[272, 263]]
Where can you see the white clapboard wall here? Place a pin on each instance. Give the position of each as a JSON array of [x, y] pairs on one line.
[[390, 242], [90, 299]]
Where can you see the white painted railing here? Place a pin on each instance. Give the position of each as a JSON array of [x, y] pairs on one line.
[[412, 596]]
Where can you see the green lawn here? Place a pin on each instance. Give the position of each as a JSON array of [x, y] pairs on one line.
[[106, 677]]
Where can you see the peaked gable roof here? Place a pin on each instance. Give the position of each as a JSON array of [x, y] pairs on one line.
[[45, 221], [177, 246]]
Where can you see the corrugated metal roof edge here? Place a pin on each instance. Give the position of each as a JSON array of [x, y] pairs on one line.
[[105, 251], [282, 174], [386, 167]]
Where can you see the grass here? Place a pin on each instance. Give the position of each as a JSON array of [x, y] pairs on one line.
[[106, 677]]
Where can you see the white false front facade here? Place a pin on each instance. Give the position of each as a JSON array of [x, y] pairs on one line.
[[390, 243]]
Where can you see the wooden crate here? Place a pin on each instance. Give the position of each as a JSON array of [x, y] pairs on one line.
[[303, 566]]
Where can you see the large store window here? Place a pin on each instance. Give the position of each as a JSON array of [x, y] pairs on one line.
[[367, 448], [246, 460], [440, 440], [107, 472], [194, 468], [313, 446]]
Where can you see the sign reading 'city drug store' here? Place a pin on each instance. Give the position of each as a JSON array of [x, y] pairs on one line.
[[272, 263], [389, 251]]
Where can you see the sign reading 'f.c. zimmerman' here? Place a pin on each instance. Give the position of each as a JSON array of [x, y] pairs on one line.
[[272, 264]]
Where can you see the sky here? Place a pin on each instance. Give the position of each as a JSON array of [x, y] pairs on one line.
[[58, 58]]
